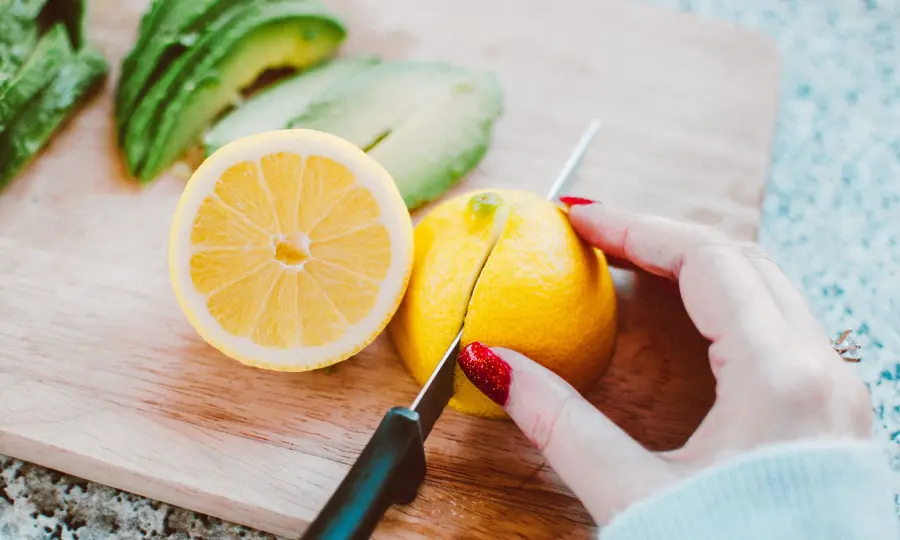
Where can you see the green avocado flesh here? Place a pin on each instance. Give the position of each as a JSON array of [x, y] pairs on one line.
[[45, 62], [271, 108], [427, 123], [227, 57], [167, 30], [44, 115]]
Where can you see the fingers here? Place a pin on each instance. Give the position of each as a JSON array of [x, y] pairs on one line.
[[601, 464], [789, 300], [726, 298], [655, 244], [721, 289], [663, 247]]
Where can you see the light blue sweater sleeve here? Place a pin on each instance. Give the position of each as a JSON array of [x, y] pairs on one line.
[[834, 490]]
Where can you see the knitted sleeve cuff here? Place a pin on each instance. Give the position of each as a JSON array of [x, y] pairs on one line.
[[809, 490]]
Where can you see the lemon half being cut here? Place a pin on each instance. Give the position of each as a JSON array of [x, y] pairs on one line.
[[290, 250]]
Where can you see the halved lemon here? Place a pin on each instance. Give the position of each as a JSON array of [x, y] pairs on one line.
[[290, 250]]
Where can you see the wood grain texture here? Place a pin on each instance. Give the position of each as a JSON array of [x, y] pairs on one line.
[[102, 377]]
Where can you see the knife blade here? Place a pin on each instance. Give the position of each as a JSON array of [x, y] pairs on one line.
[[391, 467], [436, 393]]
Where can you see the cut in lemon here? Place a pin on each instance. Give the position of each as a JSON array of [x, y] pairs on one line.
[[507, 266], [290, 250]]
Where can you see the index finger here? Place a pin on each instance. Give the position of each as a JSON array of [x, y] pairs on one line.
[[605, 468], [655, 244], [721, 290]]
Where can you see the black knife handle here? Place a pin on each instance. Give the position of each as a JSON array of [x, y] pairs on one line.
[[389, 471]]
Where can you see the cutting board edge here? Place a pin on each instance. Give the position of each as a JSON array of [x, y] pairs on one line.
[[93, 469]]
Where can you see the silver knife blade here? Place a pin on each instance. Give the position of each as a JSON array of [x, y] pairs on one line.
[[436, 393], [438, 389]]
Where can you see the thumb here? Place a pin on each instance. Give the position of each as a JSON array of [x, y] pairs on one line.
[[604, 467]]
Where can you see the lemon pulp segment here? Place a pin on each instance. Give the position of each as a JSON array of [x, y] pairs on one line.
[[279, 276]]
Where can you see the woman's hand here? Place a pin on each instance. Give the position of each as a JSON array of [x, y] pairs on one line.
[[777, 376]]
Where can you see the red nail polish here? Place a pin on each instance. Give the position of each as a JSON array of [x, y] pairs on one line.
[[575, 201], [487, 371]]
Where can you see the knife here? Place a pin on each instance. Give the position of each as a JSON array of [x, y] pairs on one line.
[[391, 467]]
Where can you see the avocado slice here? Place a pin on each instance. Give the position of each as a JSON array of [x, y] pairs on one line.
[[167, 30], [44, 115], [273, 107], [148, 28], [224, 60], [45, 62], [427, 123]]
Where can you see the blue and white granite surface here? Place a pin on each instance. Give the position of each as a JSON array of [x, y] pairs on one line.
[[832, 220]]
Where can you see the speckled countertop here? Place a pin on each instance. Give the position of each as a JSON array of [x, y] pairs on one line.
[[831, 219]]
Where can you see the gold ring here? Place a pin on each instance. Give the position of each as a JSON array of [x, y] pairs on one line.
[[847, 347]]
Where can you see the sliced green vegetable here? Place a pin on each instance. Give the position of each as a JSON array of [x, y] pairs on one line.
[[46, 13], [44, 115], [22, 23], [273, 107], [69, 12], [18, 37], [23, 9], [147, 28], [41, 68], [225, 59], [168, 29], [428, 124]]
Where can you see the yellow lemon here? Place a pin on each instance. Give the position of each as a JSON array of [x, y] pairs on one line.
[[542, 291], [290, 250]]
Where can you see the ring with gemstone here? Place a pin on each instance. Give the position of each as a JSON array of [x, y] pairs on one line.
[[847, 347]]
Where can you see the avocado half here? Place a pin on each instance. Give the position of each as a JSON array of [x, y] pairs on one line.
[[427, 123], [273, 107], [228, 54]]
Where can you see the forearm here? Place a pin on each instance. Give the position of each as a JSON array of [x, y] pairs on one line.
[[815, 491]]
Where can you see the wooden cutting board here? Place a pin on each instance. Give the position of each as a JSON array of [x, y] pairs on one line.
[[102, 377]]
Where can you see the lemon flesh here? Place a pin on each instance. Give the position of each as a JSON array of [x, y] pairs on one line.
[[290, 250]]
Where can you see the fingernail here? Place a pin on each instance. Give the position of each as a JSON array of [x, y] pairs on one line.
[[575, 201], [487, 371]]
